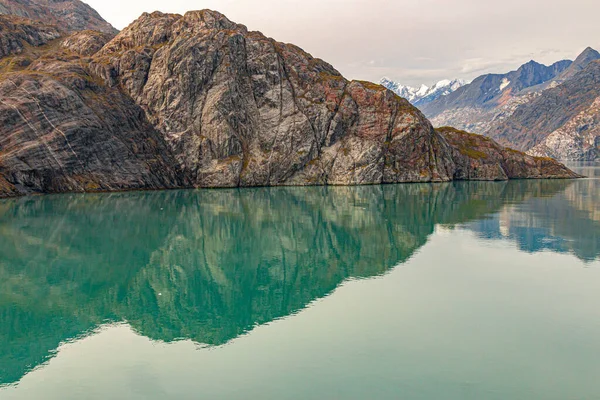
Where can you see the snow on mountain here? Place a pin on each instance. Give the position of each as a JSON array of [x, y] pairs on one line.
[[423, 94]]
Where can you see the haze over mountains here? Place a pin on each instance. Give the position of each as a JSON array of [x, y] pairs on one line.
[[550, 111]]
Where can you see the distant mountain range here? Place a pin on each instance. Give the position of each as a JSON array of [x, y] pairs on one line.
[[423, 94], [197, 100], [551, 111]]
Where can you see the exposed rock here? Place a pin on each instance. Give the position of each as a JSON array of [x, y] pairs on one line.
[[242, 109], [86, 43], [476, 119], [553, 118], [69, 15], [480, 158], [581, 62], [535, 121], [16, 34], [199, 101], [578, 139], [61, 131]]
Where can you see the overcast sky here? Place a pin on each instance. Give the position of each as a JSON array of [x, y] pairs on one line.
[[411, 41]]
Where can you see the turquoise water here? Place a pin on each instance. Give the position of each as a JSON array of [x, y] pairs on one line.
[[446, 291]]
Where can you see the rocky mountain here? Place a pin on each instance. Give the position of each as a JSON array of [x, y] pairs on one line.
[[423, 94], [19, 33], [581, 62], [562, 122], [199, 101], [495, 105], [69, 15], [481, 100]]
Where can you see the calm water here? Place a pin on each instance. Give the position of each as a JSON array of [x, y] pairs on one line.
[[476, 291]]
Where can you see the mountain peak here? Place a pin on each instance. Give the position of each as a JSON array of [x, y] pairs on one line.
[[531, 64], [423, 94], [587, 54], [586, 57]]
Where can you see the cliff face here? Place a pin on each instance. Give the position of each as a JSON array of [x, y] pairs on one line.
[[17, 34], [197, 100], [62, 130], [69, 15], [578, 139], [242, 109]]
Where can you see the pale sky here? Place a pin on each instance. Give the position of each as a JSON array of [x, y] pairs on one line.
[[411, 41]]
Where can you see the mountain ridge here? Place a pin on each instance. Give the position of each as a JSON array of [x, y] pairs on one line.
[[489, 90], [197, 100], [423, 94], [495, 106], [533, 122]]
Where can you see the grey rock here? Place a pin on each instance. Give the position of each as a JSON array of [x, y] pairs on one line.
[[199, 101], [535, 121], [69, 15], [86, 43], [16, 34]]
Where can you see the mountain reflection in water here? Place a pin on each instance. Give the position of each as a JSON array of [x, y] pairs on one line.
[[209, 265]]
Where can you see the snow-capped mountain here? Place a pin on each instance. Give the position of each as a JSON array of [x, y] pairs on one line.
[[423, 94]]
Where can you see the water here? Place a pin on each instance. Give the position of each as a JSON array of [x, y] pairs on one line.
[[447, 291]]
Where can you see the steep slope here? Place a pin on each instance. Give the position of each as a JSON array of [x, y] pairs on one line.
[[199, 101], [586, 57], [263, 112], [581, 62], [475, 105], [557, 119], [62, 130], [17, 34], [70, 15], [240, 109], [578, 139], [423, 94]]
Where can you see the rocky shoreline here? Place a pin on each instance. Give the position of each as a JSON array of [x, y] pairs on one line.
[[195, 100]]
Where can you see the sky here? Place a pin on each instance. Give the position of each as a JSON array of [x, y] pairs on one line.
[[410, 41]]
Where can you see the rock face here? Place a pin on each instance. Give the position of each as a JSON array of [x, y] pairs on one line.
[[69, 15], [61, 130], [578, 139], [588, 56], [240, 109], [16, 34], [199, 101], [86, 43], [480, 158]]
